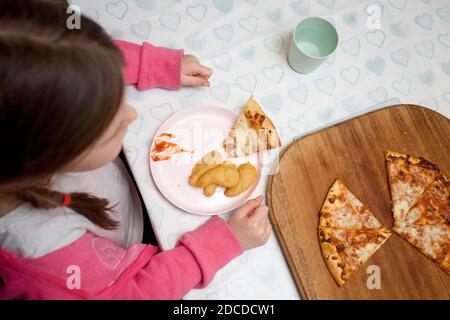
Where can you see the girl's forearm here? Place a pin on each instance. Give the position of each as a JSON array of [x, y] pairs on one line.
[[148, 66]]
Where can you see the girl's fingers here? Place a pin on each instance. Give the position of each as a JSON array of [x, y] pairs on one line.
[[204, 71], [202, 77], [260, 214], [196, 75], [196, 69], [194, 81], [249, 206]]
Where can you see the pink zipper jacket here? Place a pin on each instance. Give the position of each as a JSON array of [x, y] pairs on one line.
[[96, 268]]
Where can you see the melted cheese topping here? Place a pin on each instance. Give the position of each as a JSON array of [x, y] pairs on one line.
[[429, 238], [343, 210], [407, 182], [364, 253]]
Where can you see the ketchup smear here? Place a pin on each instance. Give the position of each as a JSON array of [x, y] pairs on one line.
[[163, 149]]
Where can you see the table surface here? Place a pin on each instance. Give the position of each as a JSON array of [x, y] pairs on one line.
[[387, 48]]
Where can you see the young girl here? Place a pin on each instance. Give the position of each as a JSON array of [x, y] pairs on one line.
[[70, 219]]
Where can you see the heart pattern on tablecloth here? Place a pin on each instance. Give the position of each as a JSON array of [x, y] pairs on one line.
[[350, 74], [301, 7], [299, 94], [220, 92], [351, 46], [141, 30], [274, 73], [147, 5], [274, 43], [224, 33], [299, 124], [117, 9], [197, 12], [376, 65], [272, 103], [378, 95], [387, 49], [161, 112], [170, 21], [195, 41], [425, 49], [402, 86], [222, 61], [400, 57], [326, 85]]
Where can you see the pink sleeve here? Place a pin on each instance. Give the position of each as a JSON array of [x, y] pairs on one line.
[[148, 66], [192, 264], [104, 270]]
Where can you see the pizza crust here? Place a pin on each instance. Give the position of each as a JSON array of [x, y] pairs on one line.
[[328, 252], [409, 159]]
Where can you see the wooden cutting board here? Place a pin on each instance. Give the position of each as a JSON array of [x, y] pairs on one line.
[[354, 152]]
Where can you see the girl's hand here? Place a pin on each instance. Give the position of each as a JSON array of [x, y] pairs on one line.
[[193, 73], [250, 223]]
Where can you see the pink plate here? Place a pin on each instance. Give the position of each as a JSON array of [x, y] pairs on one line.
[[200, 130]]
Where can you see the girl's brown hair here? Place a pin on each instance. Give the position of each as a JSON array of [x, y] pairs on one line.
[[59, 91]]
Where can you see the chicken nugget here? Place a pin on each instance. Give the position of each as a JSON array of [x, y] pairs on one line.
[[247, 176], [209, 161], [209, 190], [222, 175]]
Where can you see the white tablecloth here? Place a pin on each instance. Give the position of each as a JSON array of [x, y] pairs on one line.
[[395, 48]]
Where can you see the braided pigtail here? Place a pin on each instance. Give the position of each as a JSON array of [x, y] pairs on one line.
[[94, 208]]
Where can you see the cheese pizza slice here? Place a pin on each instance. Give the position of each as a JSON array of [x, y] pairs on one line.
[[349, 233], [252, 132], [409, 177], [426, 225]]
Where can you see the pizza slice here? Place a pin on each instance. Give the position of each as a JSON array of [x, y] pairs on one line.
[[345, 250], [252, 132], [341, 209], [433, 240], [349, 233], [409, 177], [433, 206]]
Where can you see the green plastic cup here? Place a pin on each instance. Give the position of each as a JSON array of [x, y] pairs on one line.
[[313, 40]]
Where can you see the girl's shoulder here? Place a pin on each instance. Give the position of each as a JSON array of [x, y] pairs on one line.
[[95, 266], [32, 232]]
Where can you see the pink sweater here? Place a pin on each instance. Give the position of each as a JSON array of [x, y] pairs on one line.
[[96, 268]]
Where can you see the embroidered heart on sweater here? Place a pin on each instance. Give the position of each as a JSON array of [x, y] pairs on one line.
[[109, 254]]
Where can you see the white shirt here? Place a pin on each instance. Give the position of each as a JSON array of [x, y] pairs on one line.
[[33, 232]]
